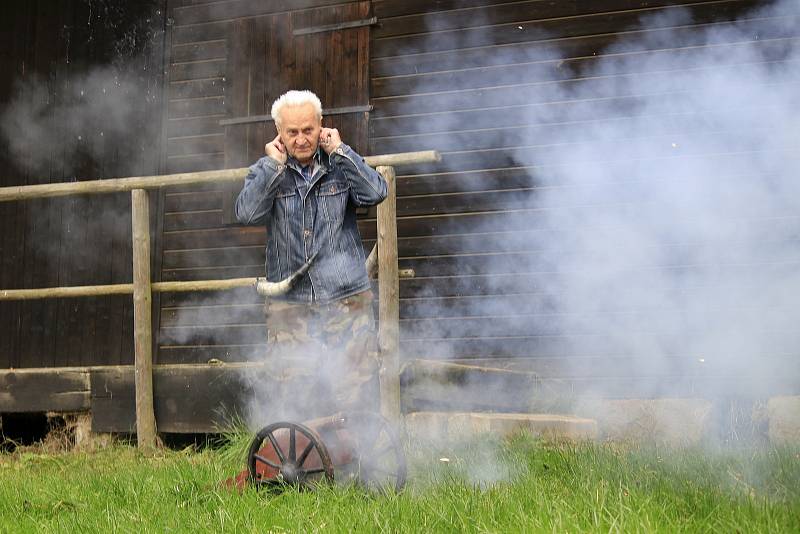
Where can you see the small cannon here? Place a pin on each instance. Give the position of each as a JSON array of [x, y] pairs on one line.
[[357, 446]]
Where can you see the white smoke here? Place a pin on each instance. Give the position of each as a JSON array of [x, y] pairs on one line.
[[674, 223], [92, 118], [661, 213]]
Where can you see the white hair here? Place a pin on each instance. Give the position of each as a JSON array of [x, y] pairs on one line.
[[295, 98]]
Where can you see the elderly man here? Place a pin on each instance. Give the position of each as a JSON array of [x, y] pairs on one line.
[[305, 190]]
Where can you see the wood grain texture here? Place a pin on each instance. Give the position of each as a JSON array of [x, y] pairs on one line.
[[142, 320], [389, 300], [49, 50], [237, 9], [33, 390], [187, 398], [464, 77], [469, 225]]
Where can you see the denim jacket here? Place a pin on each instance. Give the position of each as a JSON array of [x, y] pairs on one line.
[[319, 218]]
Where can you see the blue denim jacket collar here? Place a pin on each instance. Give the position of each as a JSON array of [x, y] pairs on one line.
[[319, 164]]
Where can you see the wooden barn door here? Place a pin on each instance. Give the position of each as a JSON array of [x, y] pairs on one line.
[[325, 50]]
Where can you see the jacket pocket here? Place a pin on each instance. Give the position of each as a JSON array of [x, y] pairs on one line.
[[333, 200], [285, 200], [285, 192]]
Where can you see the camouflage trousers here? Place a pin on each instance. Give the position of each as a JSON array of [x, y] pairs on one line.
[[324, 355]]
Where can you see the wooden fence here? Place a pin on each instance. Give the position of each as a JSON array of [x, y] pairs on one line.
[[142, 286]]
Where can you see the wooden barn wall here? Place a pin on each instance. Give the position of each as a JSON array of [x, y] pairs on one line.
[[465, 225], [49, 53], [228, 60], [452, 75]]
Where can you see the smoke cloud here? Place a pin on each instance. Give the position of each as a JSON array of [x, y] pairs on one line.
[[662, 213], [94, 118], [87, 106], [90, 103], [674, 225]]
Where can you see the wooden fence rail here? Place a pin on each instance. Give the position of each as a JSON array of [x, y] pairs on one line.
[[156, 287], [142, 286], [122, 185]]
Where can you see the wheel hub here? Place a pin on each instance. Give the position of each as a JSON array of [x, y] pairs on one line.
[[289, 473]]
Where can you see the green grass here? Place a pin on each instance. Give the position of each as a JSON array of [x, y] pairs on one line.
[[519, 485]]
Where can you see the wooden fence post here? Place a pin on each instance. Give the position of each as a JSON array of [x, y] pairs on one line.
[[389, 306], [142, 321]]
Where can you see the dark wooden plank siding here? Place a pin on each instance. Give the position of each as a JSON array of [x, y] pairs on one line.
[[60, 57], [187, 399], [464, 77], [35, 390], [11, 214], [232, 59], [459, 76]]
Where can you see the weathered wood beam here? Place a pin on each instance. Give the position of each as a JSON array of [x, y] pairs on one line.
[[124, 289], [65, 292], [448, 372], [403, 158], [119, 185], [158, 287], [429, 384], [189, 398], [335, 27], [44, 390], [205, 285], [406, 273], [142, 321], [268, 118], [389, 303]]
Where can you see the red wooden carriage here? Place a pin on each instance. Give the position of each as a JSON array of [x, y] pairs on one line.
[[358, 447]]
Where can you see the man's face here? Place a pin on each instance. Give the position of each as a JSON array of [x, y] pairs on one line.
[[299, 130]]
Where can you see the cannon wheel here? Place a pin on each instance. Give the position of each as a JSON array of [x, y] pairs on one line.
[[291, 463], [380, 462]]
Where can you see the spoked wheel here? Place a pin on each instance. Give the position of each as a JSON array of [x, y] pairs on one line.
[[379, 462], [288, 453]]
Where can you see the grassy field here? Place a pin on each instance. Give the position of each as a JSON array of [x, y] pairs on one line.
[[519, 485]]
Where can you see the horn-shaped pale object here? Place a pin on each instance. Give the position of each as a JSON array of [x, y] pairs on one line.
[[274, 289]]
